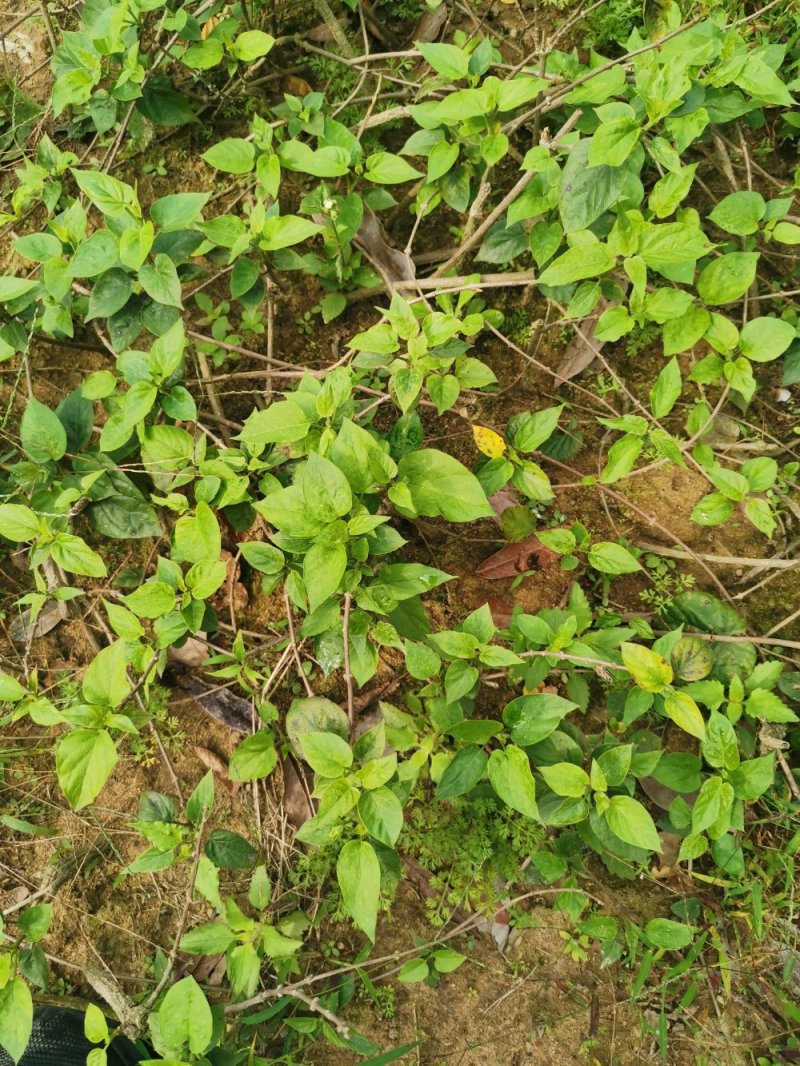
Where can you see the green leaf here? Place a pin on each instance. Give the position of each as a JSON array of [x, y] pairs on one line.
[[765, 705], [681, 333], [42, 434], [622, 456], [178, 210], [35, 921], [446, 59], [204, 54], [106, 681], [230, 851], [161, 282], [438, 484], [685, 713], [285, 230], [532, 718], [614, 141], [629, 820], [739, 213], [565, 779], [84, 761], [510, 776], [384, 168], [233, 156], [582, 261], [201, 800], [109, 294], [648, 669], [413, 971], [713, 801], [254, 758], [252, 44], [728, 278], [763, 339], [667, 389], [665, 933], [359, 875], [76, 557], [323, 569], [382, 814], [326, 753], [262, 557], [18, 523], [208, 939], [12, 288], [611, 558], [586, 192], [282, 422], [16, 1017], [10, 689], [535, 429], [752, 778], [462, 773], [184, 1017], [95, 1026]]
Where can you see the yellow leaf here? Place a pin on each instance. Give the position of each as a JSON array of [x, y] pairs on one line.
[[489, 442]]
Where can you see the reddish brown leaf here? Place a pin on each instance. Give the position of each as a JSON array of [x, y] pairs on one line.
[[501, 611], [514, 559]]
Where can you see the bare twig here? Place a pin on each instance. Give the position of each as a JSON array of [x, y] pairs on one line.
[[295, 650]]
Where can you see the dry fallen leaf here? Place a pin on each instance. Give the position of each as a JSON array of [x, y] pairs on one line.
[[392, 265], [429, 25], [215, 763], [209, 27], [21, 629], [193, 652], [514, 559], [228, 708], [296, 790]]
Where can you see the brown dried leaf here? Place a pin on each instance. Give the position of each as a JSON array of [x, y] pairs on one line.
[[429, 26], [322, 33], [502, 500], [501, 611], [295, 86], [21, 629], [214, 762], [582, 350], [514, 559], [228, 708], [296, 790], [392, 265], [193, 652]]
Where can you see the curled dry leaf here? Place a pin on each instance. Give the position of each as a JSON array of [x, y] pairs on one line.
[[322, 33], [514, 559], [429, 26], [296, 794], [232, 595], [23, 629], [583, 349], [501, 611], [502, 500], [392, 265], [215, 763], [670, 849], [191, 653], [222, 704]]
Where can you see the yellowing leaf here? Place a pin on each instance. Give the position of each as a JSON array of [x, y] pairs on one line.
[[489, 442]]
